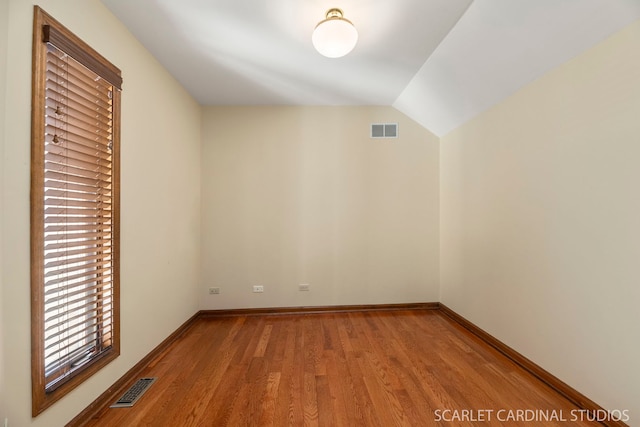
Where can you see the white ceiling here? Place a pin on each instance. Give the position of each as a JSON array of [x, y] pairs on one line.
[[439, 61]]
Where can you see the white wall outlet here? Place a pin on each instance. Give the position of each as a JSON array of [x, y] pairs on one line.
[[214, 291], [304, 287], [258, 288]]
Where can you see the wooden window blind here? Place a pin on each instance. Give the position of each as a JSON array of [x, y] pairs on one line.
[[75, 211]]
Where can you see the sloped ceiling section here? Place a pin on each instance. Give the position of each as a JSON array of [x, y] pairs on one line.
[[441, 62], [501, 45]]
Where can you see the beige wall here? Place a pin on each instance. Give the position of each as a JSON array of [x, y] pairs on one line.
[[4, 23], [160, 203], [297, 195], [540, 221]]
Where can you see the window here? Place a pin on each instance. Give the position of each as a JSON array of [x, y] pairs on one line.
[[74, 211]]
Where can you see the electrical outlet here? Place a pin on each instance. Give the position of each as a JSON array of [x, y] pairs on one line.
[[214, 291], [304, 287], [6, 422], [258, 288]]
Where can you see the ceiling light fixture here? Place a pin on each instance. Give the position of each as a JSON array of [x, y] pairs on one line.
[[335, 36]]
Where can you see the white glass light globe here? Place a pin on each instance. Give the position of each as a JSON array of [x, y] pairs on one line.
[[335, 36]]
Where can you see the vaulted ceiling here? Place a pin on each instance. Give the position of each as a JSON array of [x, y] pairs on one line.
[[441, 62]]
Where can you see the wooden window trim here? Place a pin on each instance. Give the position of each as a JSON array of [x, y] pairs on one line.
[[47, 29]]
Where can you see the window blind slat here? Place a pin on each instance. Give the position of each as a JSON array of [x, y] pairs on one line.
[[65, 177], [75, 191], [74, 108], [62, 317], [90, 213], [89, 124], [95, 293], [77, 328], [57, 159], [68, 342], [78, 276], [75, 227], [85, 127], [57, 112], [59, 180], [70, 318], [68, 259], [71, 170], [79, 149], [77, 332], [69, 255], [75, 130], [81, 161], [70, 359], [53, 201], [65, 194], [96, 142], [64, 75], [89, 244], [90, 240], [86, 256], [61, 90], [88, 221], [52, 314], [79, 152], [67, 270], [57, 259], [87, 233], [55, 301], [63, 109], [70, 85], [60, 106], [70, 90], [62, 331], [77, 67], [78, 230], [72, 290]]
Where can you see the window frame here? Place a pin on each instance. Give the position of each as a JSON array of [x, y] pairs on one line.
[[46, 29]]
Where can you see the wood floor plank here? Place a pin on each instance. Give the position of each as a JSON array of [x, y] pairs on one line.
[[270, 399], [393, 368]]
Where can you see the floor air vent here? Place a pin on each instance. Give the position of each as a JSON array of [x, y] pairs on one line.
[[130, 397]]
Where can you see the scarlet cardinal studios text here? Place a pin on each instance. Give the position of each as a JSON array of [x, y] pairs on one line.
[[529, 415]]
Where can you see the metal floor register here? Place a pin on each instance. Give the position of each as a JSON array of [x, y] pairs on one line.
[[134, 393]]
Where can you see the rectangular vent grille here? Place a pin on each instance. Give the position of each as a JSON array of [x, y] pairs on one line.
[[384, 130], [130, 397]]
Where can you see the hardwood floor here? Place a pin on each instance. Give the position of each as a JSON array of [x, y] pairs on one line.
[[393, 368]]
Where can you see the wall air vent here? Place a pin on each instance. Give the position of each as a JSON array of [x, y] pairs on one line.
[[384, 130]]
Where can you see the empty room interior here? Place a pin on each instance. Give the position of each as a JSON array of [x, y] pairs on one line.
[[409, 234]]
